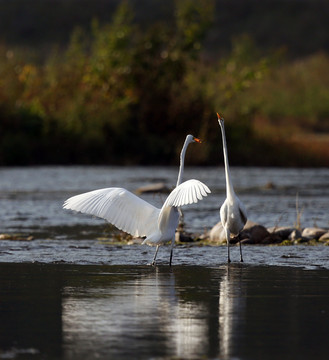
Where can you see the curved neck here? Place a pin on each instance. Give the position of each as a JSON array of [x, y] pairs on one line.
[[229, 185], [182, 159]]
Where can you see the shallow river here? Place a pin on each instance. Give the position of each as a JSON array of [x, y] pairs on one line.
[[72, 293], [31, 198]]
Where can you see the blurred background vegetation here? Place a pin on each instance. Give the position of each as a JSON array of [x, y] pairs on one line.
[[123, 82]]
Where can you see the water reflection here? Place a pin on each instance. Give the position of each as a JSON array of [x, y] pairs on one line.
[[138, 315], [235, 311], [126, 315], [232, 304]]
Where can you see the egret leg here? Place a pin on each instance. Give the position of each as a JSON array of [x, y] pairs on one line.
[[171, 250], [155, 255], [228, 245], [241, 259]]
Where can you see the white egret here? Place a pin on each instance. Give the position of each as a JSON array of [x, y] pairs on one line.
[[137, 217], [233, 214]]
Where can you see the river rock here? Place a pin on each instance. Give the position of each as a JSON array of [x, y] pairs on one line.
[[249, 235], [313, 233], [153, 188], [249, 224], [181, 236], [324, 237], [295, 235], [283, 231], [256, 234], [17, 237], [217, 234]]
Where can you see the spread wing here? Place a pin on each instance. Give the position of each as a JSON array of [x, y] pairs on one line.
[[189, 192], [119, 207]]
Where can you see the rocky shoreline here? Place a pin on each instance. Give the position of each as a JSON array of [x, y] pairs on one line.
[[252, 234], [256, 234]]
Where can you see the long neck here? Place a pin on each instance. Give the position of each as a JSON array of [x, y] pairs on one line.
[[229, 185], [182, 159]]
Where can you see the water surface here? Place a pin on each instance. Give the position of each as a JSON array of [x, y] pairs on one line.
[[75, 293], [31, 198], [141, 312]]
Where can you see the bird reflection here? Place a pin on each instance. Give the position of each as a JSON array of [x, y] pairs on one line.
[[181, 312], [140, 315], [189, 330], [232, 304], [180, 322]]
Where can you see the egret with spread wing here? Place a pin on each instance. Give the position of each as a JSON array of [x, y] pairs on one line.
[[137, 217], [233, 214]]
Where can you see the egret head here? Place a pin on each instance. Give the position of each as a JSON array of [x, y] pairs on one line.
[[220, 119], [191, 138]]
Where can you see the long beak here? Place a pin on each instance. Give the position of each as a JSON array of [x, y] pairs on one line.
[[197, 140], [219, 117]]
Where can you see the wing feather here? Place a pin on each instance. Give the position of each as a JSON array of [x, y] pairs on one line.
[[187, 193], [118, 206], [198, 193], [195, 198]]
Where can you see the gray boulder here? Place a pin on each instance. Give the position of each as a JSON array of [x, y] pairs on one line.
[[313, 233]]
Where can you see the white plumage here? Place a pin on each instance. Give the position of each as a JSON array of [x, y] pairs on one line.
[[137, 217], [233, 214]]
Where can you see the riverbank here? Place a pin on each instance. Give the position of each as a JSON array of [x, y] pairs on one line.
[[282, 235]]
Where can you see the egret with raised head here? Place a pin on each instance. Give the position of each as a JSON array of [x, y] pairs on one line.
[[233, 214]]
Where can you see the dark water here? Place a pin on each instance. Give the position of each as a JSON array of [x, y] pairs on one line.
[[140, 312]]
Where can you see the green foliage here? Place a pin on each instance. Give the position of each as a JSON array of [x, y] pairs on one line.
[[193, 19], [297, 92], [124, 95]]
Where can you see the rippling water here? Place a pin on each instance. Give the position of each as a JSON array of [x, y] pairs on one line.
[[73, 293], [32, 198]]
